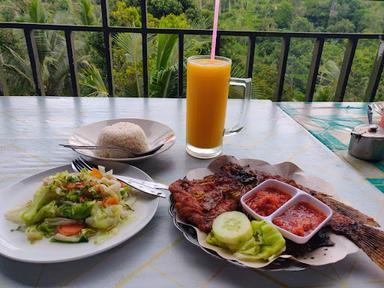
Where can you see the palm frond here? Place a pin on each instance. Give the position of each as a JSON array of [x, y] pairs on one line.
[[3, 83], [92, 80], [42, 44], [257, 91], [18, 60], [161, 84], [165, 68], [19, 72], [71, 8], [130, 43], [87, 16], [165, 50], [37, 12], [19, 65]]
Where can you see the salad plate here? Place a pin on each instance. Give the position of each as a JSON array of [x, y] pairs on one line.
[[156, 133], [15, 245]]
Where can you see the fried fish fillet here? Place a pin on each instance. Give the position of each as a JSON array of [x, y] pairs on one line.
[[199, 202]]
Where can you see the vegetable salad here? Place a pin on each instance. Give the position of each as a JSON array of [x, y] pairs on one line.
[[73, 207]]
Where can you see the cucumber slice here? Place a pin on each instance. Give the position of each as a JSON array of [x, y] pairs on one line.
[[232, 228]]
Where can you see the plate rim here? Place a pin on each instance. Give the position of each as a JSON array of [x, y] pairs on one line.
[[131, 159], [89, 254]]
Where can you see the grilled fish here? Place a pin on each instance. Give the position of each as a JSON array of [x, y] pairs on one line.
[[199, 202]]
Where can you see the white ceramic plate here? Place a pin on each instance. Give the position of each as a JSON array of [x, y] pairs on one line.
[[155, 132], [16, 246]]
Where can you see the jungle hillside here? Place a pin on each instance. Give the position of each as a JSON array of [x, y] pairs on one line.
[[343, 16]]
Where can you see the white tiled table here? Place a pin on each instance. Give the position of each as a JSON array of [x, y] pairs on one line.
[[32, 127]]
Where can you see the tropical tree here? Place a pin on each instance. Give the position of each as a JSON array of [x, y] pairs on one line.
[[130, 44], [91, 81], [260, 15], [3, 82], [328, 76], [51, 55], [165, 67], [87, 15]]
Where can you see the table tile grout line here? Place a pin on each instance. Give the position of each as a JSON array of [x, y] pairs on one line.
[[87, 270], [214, 276], [10, 115], [29, 154], [380, 212], [125, 280], [39, 275], [13, 176], [332, 265], [351, 269], [316, 286], [314, 268], [271, 279], [376, 281], [166, 276]]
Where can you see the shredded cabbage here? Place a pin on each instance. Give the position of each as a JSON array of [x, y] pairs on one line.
[[104, 218], [95, 203]]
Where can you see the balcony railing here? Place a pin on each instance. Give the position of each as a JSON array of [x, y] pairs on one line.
[[107, 30]]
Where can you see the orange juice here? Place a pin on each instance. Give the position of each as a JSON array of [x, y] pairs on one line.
[[207, 94]]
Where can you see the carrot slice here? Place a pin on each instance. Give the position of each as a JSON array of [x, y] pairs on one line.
[[96, 173], [70, 186], [70, 229], [111, 201], [122, 184]]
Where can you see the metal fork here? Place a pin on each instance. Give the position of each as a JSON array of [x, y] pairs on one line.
[[152, 188]]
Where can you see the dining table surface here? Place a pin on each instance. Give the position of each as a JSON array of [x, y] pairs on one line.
[[32, 127]]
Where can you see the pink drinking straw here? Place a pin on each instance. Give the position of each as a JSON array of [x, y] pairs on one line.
[[214, 32]]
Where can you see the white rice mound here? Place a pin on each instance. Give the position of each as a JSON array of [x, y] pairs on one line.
[[125, 135]]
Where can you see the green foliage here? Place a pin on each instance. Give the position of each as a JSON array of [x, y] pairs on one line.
[[301, 24], [124, 15], [160, 8], [346, 16], [87, 15], [284, 14], [129, 76], [37, 12], [343, 25], [166, 68], [317, 12], [91, 82]]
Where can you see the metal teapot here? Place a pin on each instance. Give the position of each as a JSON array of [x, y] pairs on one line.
[[367, 140]]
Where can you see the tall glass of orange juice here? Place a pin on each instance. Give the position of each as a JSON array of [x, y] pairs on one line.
[[208, 84]]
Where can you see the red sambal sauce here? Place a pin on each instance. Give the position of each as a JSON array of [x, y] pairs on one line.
[[300, 219], [265, 202]]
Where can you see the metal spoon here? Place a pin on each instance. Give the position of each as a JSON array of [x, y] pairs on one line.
[[99, 147]]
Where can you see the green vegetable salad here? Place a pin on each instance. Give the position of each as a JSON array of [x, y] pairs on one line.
[[72, 207], [247, 240]]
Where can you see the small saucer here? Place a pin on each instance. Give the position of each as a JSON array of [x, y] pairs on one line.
[[88, 134]]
